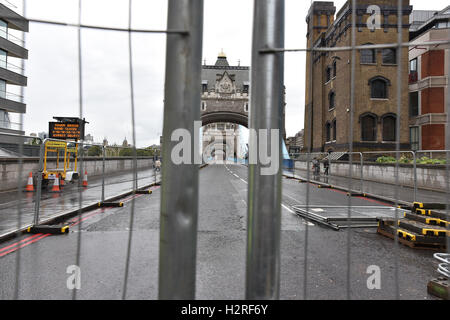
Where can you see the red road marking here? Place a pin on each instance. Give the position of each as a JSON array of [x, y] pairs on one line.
[[34, 238], [14, 244], [41, 236]]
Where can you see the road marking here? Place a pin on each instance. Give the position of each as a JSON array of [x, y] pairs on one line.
[[41, 236], [34, 238]]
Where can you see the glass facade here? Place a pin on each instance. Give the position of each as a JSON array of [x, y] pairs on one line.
[[3, 59]]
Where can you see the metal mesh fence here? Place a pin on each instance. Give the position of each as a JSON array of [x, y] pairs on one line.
[[178, 237]]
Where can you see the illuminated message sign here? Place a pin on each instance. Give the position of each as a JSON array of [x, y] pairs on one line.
[[66, 130]]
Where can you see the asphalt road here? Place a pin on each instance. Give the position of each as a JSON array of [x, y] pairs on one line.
[[53, 204], [221, 250]]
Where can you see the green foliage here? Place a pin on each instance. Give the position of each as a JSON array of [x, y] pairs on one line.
[[403, 159], [94, 151]]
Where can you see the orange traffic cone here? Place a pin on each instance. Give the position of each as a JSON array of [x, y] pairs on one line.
[[85, 183], [56, 185], [30, 187]]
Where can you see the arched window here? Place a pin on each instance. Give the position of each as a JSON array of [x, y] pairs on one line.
[[368, 55], [246, 107], [368, 127], [203, 106], [389, 123], [334, 69], [331, 100], [379, 87], [328, 74], [389, 56], [328, 131], [334, 130]]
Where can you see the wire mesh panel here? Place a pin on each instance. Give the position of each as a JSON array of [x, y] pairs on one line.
[[409, 190]]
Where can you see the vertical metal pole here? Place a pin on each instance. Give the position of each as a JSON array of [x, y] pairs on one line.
[[264, 192], [415, 175], [103, 175], [361, 172], [39, 183], [179, 196]]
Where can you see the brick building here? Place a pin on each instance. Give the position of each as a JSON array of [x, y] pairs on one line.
[[328, 90], [428, 80]]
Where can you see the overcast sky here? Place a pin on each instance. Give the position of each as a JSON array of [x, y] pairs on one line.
[[52, 69]]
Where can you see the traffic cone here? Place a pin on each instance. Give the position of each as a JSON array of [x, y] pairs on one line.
[[85, 182], [56, 188], [61, 181], [30, 186]]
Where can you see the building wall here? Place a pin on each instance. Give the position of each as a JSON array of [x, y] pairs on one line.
[[340, 34]]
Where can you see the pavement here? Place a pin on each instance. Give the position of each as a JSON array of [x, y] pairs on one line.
[[54, 204], [221, 250]]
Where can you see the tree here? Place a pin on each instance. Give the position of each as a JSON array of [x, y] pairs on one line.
[[94, 151]]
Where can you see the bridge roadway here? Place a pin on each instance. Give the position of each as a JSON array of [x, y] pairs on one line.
[[53, 204], [220, 253]]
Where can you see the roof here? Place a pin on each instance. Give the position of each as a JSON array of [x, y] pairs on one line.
[[210, 73]]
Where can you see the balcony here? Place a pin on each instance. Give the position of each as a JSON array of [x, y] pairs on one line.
[[12, 74], [413, 77], [12, 102]]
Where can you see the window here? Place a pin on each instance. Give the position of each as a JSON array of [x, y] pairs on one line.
[[331, 99], [413, 65], [414, 104], [413, 77], [389, 56], [369, 128], [3, 29], [334, 130], [246, 107], [204, 87], [334, 69], [2, 89], [414, 138], [3, 59], [328, 131], [389, 125], [328, 74], [245, 88], [378, 87], [203, 106], [4, 120], [368, 55]]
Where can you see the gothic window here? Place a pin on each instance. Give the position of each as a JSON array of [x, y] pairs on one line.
[[328, 131], [334, 130], [334, 69], [203, 106], [331, 99], [389, 125], [378, 87], [246, 107], [389, 56], [368, 127], [368, 55], [328, 74]]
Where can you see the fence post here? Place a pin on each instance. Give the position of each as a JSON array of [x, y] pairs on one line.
[[362, 172], [264, 191], [415, 174], [39, 183], [103, 175], [179, 195]]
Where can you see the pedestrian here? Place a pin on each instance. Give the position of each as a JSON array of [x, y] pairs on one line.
[[326, 167], [157, 165], [316, 168]]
